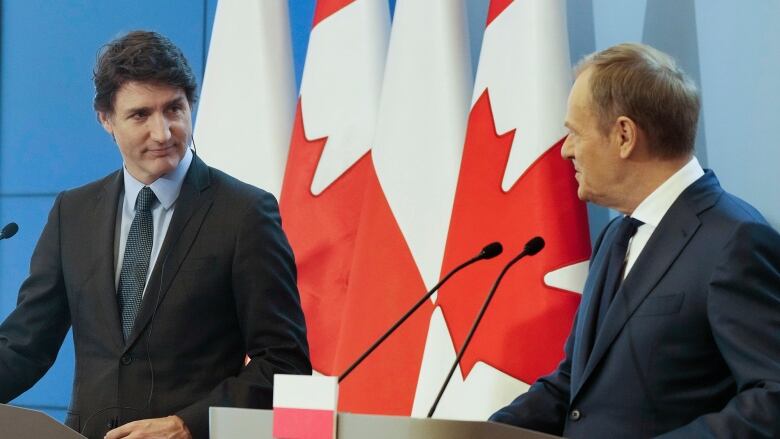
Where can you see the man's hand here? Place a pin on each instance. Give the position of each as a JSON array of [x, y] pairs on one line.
[[171, 427]]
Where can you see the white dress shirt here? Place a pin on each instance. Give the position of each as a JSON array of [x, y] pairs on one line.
[[653, 208], [166, 189]]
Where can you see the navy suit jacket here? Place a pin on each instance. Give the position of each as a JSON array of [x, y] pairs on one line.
[[691, 344], [223, 288]]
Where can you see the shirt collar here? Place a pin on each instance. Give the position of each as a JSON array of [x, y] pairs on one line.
[[653, 208], [165, 188]]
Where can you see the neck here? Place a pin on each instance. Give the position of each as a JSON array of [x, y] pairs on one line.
[[646, 178]]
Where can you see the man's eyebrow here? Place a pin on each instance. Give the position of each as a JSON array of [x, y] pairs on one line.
[[176, 100], [146, 109], [135, 110]]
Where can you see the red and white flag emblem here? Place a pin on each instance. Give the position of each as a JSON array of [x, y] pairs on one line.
[[513, 185], [329, 161], [399, 168]]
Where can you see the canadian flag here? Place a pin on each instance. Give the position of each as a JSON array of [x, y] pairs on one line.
[[329, 161], [513, 185], [247, 100], [408, 201], [399, 168]]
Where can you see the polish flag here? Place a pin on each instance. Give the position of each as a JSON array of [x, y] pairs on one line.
[[405, 215], [247, 101], [329, 161], [513, 185]]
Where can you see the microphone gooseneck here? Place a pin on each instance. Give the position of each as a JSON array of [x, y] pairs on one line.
[[488, 252], [532, 247]]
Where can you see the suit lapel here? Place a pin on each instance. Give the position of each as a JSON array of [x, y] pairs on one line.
[[192, 205], [586, 324], [672, 235], [105, 217]]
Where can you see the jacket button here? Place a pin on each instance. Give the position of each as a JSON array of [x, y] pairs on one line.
[[126, 359], [575, 415]]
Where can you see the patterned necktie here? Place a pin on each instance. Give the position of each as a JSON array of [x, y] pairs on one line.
[[615, 264], [135, 264]]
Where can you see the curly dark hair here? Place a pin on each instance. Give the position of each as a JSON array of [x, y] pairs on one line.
[[141, 56]]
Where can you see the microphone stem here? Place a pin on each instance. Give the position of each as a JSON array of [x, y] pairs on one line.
[[473, 330], [406, 316]]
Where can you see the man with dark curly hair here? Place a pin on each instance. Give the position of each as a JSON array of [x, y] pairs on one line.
[[169, 272]]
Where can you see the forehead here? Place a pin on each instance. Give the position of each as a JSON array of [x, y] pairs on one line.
[[579, 106], [580, 91], [134, 94]]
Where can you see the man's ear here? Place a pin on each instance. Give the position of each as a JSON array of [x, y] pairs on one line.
[[626, 133], [105, 120]]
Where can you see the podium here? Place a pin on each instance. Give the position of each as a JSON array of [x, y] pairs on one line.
[[233, 423], [20, 423]]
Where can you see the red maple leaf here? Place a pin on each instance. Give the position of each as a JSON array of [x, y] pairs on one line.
[[384, 283], [354, 281], [523, 332], [322, 231]]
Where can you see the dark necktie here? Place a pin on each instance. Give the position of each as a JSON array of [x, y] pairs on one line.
[[615, 265], [135, 264]]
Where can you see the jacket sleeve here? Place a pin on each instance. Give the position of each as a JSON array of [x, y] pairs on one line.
[[545, 405], [269, 313], [743, 309], [31, 336]]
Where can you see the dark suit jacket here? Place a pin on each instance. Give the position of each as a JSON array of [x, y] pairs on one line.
[[224, 287], [691, 343]]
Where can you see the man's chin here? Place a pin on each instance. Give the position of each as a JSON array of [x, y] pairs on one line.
[[582, 194], [162, 168]]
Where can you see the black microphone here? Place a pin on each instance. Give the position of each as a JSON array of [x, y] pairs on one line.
[[9, 230], [532, 247], [489, 251]]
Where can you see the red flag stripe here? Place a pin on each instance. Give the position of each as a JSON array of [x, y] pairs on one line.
[[496, 8], [326, 8]]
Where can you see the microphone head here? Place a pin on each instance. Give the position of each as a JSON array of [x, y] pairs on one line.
[[491, 250], [9, 230], [534, 246]]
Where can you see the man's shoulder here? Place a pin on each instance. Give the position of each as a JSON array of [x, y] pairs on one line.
[[228, 184], [714, 205], [234, 192], [94, 188], [734, 221], [739, 209], [731, 209]]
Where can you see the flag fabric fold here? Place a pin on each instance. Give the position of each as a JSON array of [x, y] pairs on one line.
[[405, 215], [329, 160], [247, 101]]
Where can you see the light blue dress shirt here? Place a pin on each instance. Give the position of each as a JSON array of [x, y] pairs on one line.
[[166, 189]]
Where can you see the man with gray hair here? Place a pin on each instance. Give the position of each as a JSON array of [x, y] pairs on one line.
[[677, 331]]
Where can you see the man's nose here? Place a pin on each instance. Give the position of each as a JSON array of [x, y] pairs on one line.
[[160, 129], [567, 149]]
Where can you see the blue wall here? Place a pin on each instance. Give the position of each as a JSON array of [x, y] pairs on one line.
[[50, 140]]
